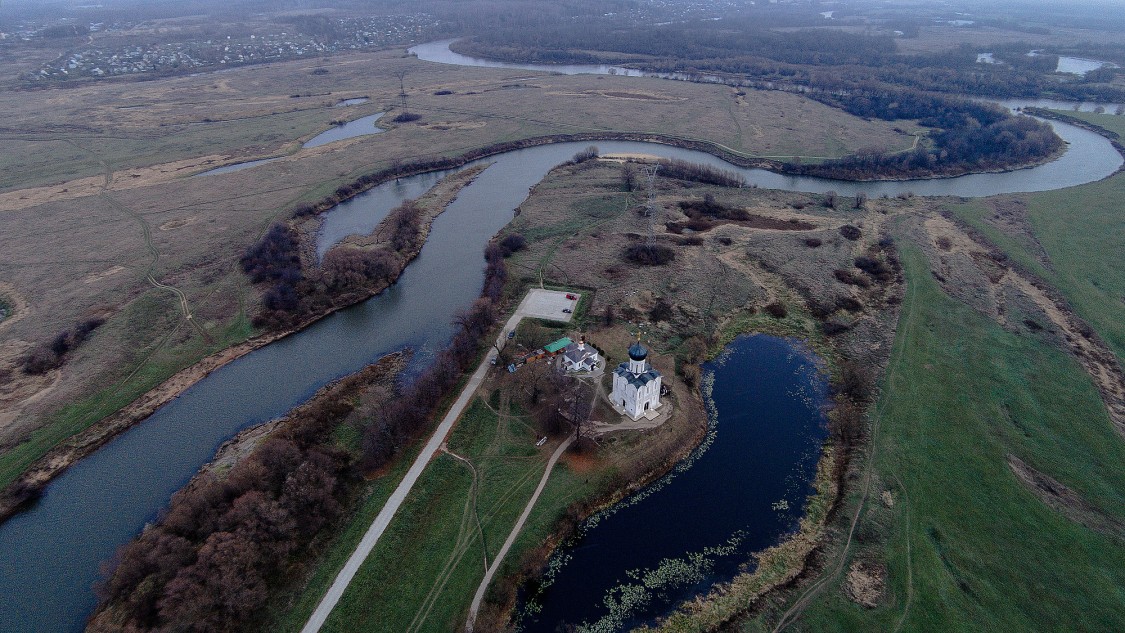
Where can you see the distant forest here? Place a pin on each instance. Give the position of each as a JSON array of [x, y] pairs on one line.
[[749, 47], [863, 74]]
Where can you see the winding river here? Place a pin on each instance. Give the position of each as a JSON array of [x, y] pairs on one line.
[[50, 555]]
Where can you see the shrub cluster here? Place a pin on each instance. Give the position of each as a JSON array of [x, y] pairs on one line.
[[47, 356], [847, 423], [708, 207], [851, 277], [832, 327], [589, 153], [875, 267], [776, 310], [850, 232], [662, 311], [512, 243], [649, 255], [345, 275]]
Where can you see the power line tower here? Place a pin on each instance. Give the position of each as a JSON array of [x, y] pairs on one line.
[[650, 205], [401, 74]]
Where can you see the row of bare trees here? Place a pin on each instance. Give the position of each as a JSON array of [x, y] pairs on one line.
[[393, 426]]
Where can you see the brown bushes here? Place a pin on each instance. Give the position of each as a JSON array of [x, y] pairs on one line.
[[47, 356], [589, 153], [662, 311], [297, 293], [512, 243], [648, 255], [850, 277], [210, 561], [351, 269], [832, 327], [776, 310]]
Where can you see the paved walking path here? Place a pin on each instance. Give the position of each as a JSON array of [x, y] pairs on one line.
[[530, 306], [514, 533]]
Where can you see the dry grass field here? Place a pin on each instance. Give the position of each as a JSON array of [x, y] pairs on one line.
[[102, 218], [579, 221]]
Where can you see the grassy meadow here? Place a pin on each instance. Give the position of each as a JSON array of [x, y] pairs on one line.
[[1080, 230], [424, 571], [966, 545]]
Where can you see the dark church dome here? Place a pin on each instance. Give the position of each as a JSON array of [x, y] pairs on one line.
[[638, 351]]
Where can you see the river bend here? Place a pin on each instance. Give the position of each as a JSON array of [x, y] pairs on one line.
[[50, 555]]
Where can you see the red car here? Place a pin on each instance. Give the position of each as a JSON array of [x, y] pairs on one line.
[[571, 297]]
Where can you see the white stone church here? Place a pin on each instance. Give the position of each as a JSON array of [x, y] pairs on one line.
[[636, 385]]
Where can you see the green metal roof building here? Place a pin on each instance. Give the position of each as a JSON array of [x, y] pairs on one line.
[[557, 346]]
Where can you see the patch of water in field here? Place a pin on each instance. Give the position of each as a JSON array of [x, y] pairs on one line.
[[360, 127]]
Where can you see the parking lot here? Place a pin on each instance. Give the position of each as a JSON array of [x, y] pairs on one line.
[[548, 304]]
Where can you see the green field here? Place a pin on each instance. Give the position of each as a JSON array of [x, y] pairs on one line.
[[1082, 231], [1111, 122], [967, 546], [424, 571]]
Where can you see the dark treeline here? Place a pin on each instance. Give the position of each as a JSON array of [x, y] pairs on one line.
[[645, 254], [966, 136], [747, 47], [863, 75], [734, 38], [698, 172]]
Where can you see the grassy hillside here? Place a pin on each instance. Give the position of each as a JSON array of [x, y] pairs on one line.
[[968, 546], [1081, 231]]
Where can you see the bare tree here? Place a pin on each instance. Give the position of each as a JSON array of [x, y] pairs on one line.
[[582, 401]]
